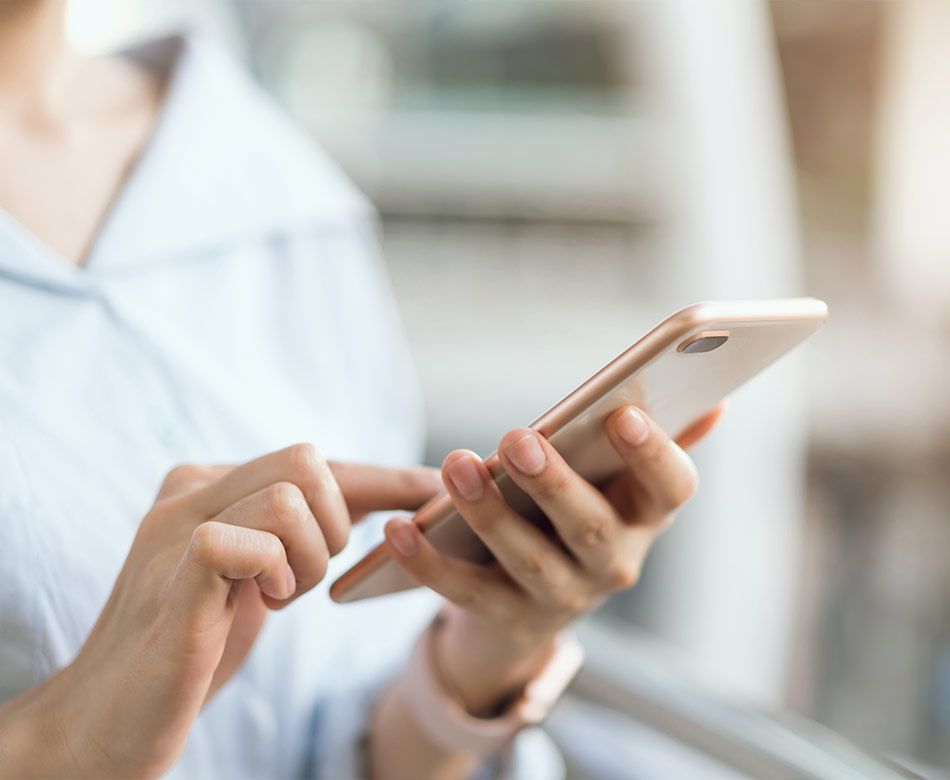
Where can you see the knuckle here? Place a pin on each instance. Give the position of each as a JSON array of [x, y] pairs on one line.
[[485, 522], [174, 510], [552, 485], [283, 500], [306, 462], [531, 566], [684, 487], [320, 567], [179, 473], [274, 551], [263, 547], [435, 574], [654, 449], [622, 576], [572, 603], [593, 534], [183, 474], [267, 543], [163, 510], [470, 597], [337, 540], [208, 541]]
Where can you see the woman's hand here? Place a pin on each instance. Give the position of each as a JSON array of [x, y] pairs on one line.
[[218, 549], [507, 614]]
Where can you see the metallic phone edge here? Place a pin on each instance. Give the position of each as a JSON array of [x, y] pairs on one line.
[[657, 340]]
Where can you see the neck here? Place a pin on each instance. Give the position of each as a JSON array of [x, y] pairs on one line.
[[35, 61]]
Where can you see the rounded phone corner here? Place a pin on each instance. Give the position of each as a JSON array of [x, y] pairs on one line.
[[696, 314], [701, 314]]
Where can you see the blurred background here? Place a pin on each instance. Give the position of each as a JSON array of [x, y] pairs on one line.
[[555, 177]]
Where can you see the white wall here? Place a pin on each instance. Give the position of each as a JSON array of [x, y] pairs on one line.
[[727, 576]]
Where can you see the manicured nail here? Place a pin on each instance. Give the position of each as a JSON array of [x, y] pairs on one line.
[[402, 536], [291, 582], [632, 428], [466, 478], [527, 454]]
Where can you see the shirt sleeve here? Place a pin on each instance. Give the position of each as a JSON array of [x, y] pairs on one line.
[[342, 743], [342, 728]]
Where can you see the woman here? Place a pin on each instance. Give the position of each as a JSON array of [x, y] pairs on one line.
[[184, 279]]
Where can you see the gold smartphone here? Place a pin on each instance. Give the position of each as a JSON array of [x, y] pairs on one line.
[[676, 372]]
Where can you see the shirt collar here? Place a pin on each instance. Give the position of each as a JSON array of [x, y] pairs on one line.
[[222, 165]]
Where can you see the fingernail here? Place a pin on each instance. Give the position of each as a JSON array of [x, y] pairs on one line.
[[632, 428], [291, 582], [527, 454], [402, 536], [466, 478]]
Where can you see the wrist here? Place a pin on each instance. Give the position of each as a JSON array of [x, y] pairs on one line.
[[441, 716], [485, 665]]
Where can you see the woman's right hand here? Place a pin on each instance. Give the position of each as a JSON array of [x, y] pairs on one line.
[[220, 547]]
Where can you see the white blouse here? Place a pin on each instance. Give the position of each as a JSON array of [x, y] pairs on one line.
[[233, 303]]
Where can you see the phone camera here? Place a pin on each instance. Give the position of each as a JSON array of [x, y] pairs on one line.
[[704, 342]]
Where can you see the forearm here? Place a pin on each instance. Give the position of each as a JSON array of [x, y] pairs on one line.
[[31, 743]]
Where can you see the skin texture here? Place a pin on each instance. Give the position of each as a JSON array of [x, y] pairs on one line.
[[220, 547], [223, 545], [502, 619], [71, 128]]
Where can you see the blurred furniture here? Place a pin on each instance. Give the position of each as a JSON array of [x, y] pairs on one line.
[[638, 711]]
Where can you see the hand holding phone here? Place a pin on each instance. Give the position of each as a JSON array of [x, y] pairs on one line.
[[501, 620], [563, 514], [677, 372]]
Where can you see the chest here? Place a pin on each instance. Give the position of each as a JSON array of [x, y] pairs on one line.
[[60, 185], [63, 168]]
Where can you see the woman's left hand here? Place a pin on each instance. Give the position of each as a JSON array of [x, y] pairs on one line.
[[500, 632]]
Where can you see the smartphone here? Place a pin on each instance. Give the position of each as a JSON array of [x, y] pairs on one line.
[[676, 373]]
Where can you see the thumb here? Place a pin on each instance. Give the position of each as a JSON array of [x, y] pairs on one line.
[[370, 488]]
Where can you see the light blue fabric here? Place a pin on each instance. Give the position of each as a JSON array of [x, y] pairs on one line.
[[234, 303]]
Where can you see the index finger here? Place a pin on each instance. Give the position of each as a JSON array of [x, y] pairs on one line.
[[584, 519], [364, 488], [371, 488]]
